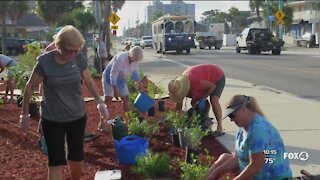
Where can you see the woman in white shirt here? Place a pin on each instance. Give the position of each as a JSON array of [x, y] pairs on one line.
[[115, 75]]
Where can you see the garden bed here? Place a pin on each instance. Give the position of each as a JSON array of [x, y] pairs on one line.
[[20, 157]]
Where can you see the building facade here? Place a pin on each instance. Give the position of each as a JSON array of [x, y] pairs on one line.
[[306, 17], [176, 7]]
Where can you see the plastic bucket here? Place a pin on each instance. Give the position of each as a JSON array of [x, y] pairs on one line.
[[143, 102], [129, 148]]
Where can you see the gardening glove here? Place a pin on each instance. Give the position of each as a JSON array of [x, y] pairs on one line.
[[103, 110], [24, 121]]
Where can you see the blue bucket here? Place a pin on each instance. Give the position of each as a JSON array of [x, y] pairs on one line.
[[143, 102], [129, 147]]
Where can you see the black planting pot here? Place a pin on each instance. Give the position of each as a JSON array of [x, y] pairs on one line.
[[191, 154], [19, 101], [161, 106], [175, 138], [151, 111], [33, 109]]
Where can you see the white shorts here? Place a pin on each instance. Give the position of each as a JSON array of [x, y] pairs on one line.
[[108, 89]]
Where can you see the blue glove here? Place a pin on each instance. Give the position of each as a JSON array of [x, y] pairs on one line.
[[202, 104]]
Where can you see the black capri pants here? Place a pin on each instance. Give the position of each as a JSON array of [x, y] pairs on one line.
[[55, 135]]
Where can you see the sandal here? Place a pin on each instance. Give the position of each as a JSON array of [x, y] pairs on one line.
[[217, 133]]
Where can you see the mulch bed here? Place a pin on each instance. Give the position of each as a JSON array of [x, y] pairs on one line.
[[21, 158]]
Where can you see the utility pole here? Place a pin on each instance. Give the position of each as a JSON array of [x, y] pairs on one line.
[[280, 4], [267, 11]]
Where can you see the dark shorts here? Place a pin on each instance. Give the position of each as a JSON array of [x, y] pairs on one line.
[[55, 135], [219, 87]]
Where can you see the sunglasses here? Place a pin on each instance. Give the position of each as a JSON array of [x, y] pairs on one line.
[[70, 51], [232, 115]]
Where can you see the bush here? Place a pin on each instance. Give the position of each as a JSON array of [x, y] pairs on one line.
[[153, 165]]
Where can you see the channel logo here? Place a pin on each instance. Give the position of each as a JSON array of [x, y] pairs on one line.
[[303, 156]]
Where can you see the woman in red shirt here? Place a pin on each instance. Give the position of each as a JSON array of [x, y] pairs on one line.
[[200, 81]]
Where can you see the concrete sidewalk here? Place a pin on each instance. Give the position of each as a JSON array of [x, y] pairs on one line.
[[295, 118]]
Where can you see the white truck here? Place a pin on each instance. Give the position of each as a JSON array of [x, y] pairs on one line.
[[208, 39]]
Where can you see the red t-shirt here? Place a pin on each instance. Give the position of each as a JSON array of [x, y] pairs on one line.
[[208, 72]]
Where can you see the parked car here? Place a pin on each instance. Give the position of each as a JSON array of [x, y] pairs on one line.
[[135, 42], [15, 46], [146, 41]]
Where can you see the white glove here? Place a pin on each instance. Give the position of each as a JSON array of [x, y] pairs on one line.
[[24, 121], [103, 110]]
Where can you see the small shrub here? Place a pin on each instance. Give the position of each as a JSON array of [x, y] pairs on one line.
[[142, 129], [153, 165]]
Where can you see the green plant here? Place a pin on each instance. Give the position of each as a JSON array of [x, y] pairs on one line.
[[160, 90], [142, 129], [177, 120], [151, 89], [194, 136], [153, 165], [22, 72], [93, 72], [196, 170]]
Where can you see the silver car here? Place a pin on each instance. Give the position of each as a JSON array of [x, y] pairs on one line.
[[146, 41]]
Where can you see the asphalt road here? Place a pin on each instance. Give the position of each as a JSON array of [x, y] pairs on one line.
[[294, 71]]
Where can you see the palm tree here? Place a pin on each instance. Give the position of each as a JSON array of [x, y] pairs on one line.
[[14, 10], [255, 6], [106, 6]]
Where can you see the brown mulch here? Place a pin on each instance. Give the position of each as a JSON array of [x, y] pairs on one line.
[[21, 158]]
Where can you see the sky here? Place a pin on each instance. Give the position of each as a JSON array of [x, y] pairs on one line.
[[133, 9]]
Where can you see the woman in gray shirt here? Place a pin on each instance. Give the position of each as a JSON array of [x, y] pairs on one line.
[[63, 115]]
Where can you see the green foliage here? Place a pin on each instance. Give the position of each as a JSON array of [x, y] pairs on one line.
[[53, 12], [194, 136], [22, 71], [177, 120], [93, 72], [153, 165], [142, 129], [151, 90], [80, 18], [196, 170], [1, 101]]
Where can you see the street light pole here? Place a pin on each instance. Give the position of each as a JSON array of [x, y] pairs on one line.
[[280, 5]]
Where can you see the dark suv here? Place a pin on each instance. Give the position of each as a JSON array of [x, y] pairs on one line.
[[15, 46]]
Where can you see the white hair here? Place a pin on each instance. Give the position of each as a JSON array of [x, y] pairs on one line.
[[136, 53]]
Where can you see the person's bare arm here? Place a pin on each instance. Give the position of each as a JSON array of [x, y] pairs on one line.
[[255, 165], [33, 83], [2, 67]]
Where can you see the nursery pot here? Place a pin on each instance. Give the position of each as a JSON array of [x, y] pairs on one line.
[[175, 138], [183, 141], [19, 101], [33, 109], [191, 154], [118, 128], [143, 102], [161, 106], [151, 111]]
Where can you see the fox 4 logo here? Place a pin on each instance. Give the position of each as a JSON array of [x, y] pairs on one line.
[[303, 156]]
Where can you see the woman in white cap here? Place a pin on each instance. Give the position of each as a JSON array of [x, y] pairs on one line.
[[259, 147], [197, 82], [114, 76]]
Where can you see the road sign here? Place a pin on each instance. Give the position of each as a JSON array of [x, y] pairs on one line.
[[280, 21], [114, 18], [279, 14], [114, 27], [271, 18], [114, 32]]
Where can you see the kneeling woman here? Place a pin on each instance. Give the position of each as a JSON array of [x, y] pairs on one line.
[[258, 145]]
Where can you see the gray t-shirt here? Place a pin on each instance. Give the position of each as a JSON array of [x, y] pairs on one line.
[[62, 95]]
